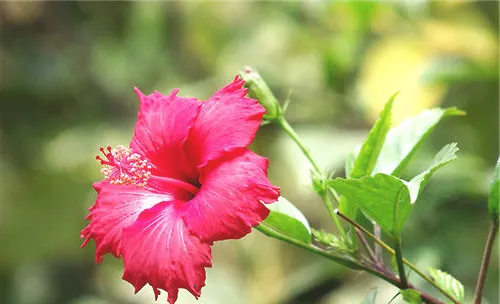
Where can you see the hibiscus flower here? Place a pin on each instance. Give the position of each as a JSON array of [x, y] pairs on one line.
[[187, 179]]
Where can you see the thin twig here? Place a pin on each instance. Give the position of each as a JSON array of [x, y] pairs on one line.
[[365, 244], [283, 123], [378, 235], [486, 260]]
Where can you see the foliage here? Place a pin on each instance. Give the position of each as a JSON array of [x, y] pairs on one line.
[[448, 283], [285, 217], [411, 296]]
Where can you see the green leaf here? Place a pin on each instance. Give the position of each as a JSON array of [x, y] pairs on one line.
[[325, 238], [384, 198], [368, 154], [444, 156], [331, 240], [403, 141], [448, 283], [287, 219], [411, 296], [370, 298], [349, 162], [494, 199]]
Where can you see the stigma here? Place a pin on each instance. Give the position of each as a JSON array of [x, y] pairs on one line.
[[123, 167]]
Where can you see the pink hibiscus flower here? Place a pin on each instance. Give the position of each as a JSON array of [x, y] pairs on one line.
[[187, 180]]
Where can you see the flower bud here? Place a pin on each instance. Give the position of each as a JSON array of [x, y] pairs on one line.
[[258, 89]]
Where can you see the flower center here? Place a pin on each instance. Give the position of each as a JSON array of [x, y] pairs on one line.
[[123, 167]]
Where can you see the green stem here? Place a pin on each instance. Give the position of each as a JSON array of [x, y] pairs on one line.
[[486, 260], [401, 266], [343, 260], [293, 135], [391, 251], [317, 171], [331, 211]]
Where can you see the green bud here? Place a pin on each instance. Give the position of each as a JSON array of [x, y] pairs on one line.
[[258, 89]]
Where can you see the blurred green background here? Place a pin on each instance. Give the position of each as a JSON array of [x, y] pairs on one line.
[[67, 73]]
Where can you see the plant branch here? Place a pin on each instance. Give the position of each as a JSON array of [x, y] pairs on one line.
[[283, 123], [343, 260], [486, 260], [331, 211], [378, 234], [391, 251], [366, 246], [399, 261], [293, 135]]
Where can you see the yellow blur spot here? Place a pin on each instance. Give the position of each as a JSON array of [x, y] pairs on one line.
[[474, 41], [392, 65]]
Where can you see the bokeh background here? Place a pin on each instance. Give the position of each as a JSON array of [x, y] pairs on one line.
[[67, 73]]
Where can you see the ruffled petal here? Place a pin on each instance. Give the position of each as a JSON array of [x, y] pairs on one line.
[[159, 250], [118, 206], [230, 200], [227, 120], [162, 127]]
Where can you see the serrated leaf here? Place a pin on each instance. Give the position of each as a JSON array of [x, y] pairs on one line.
[[287, 219], [325, 238], [444, 156], [331, 240], [384, 198], [403, 141], [448, 283], [494, 198], [411, 296], [370, 298], [368, 154]]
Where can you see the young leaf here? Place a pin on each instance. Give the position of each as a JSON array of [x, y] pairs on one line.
[[411, 296], [384, 198], [448, 283], [287, 219], [370, 298], [444, 156], [325, 238], [403, 141], [368, 154], [330, 240], [349, 162], [494, 199]]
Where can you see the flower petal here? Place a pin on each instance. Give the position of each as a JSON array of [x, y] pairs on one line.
[[162, 127], [227, 120], [116, 207], [159, 250], [230, 200]]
